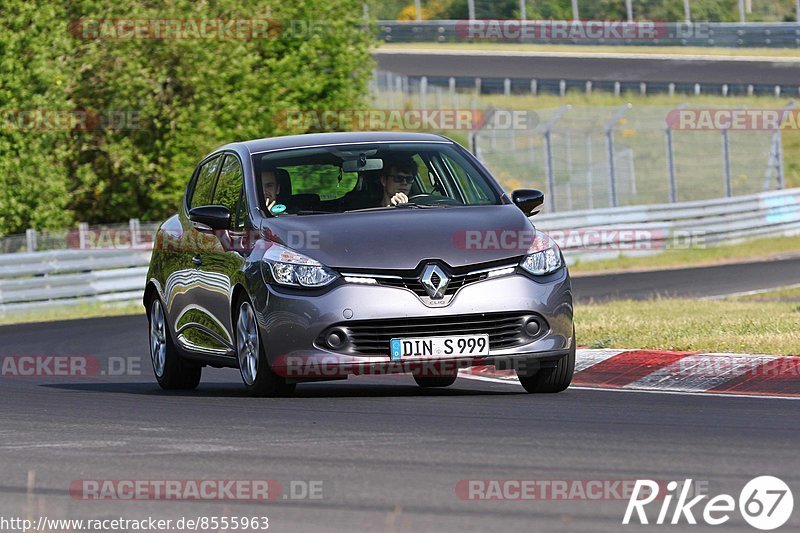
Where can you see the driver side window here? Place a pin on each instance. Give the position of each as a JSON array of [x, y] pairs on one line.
[[204, 184], [228, 191]]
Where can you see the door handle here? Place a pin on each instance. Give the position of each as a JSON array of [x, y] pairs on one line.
[[197, 260]]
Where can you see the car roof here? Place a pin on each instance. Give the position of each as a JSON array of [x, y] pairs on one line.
[[320, 139]]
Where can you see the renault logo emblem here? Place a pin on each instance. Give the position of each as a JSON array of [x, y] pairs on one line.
[[435, 281]]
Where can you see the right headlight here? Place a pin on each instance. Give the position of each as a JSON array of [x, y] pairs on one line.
[[543, 257], [297, 270]]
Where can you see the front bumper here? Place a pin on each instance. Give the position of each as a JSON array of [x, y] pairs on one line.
[[291, 324]]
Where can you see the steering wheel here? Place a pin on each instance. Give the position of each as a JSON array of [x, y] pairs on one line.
[[437, 200]]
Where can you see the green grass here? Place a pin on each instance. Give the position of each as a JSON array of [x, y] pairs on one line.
[[72, 312], [751, 250], [691, 325], [597, 49]]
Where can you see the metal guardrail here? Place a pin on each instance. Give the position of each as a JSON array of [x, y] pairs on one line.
[[646, 229], [42, 279], [29, 281], [721, 34]]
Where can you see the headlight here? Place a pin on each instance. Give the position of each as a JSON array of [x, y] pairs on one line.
[[296, 270], [544, 256]]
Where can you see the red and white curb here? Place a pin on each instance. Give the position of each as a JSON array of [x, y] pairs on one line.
[[683, 372]]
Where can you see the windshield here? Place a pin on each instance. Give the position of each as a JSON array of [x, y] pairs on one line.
[[338, 179]]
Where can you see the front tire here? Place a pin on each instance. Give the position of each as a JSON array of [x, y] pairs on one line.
[[171, 371], [550, 380], [258, 377]]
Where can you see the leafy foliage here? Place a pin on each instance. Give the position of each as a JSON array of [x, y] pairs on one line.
[[181, 98]]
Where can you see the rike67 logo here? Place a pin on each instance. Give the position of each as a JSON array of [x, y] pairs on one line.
[[765, 503]]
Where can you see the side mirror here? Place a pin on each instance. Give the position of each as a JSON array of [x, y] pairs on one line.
[[209, 218], [530, 201]]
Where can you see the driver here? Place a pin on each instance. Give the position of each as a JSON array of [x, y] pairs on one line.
[[397, 176]]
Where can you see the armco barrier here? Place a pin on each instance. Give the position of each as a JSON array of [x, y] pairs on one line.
[[41, 279], [724, 34], [636, 230]]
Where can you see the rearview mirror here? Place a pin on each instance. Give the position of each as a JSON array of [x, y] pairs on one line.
[[210, 218], [361, 164], [530, 201]]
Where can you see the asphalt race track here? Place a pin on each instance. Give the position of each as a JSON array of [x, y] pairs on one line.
[[389, 455], [543, 65], [705, 282]]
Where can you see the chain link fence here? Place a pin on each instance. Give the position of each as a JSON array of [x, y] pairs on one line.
[[132, 236], [595, 157]]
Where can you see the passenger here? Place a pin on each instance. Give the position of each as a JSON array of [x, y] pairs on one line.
[[276, 186]]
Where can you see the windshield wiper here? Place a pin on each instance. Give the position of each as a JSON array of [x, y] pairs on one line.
[[310, 212], [421, 206]]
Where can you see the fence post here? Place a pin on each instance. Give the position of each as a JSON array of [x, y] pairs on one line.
[[779, 156], [673, 183], [476, 149], [83, 230], [548, 152], [133, 224], [30, 239], [423, 92], [612, 173], [590, 172], [673, 186], [726, 162], [778, 142]]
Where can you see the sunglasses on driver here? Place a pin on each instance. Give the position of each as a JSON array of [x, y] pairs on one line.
[[400, 178]]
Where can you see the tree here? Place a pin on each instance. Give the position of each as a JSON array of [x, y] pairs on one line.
[[181, 97]]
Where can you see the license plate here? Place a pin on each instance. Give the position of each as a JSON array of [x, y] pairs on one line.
[[451, 346]]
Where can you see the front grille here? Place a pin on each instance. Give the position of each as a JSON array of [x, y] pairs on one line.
[[372, 337], [413, 284]]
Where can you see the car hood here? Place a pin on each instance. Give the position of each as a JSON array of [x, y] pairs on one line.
[[402, 238]]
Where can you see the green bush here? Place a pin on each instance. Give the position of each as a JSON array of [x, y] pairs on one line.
[[185, 96]]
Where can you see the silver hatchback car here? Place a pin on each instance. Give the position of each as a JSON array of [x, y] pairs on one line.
[[316, 257]]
